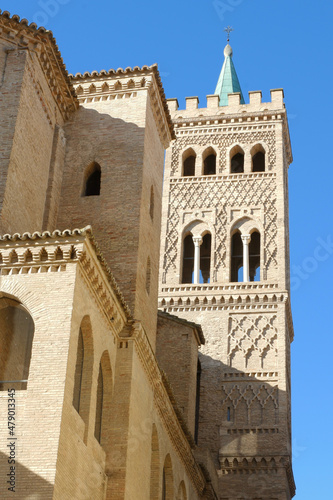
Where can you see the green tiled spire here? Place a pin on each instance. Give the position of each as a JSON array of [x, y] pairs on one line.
[[228, 81]]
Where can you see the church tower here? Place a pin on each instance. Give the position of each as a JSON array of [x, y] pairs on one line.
[[225, 264]]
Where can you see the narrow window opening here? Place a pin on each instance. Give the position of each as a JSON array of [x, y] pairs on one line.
[[188, 259], [205, 253], [93, 182], [228, 414], [189, 166], [236, 258], [99, 405], [237, 163], [78, 373], [210, 165], [163, 485], [148, 276], [151, 204], [258, 162], [254, 257], [197, 403]]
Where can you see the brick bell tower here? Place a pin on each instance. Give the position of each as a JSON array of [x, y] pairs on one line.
[[225, 264]]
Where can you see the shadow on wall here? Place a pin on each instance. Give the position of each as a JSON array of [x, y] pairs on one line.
[[26, 484], [244, 422]]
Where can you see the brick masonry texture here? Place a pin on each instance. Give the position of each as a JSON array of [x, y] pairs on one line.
[[82, 278]]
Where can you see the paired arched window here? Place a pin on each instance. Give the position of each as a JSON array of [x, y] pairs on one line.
[[92, 184], [16, 337], [258, 157], [196, 270], [209, 162], [189, 159], [236, 160], [246, 247]]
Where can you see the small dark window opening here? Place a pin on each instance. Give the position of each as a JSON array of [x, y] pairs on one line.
[[236, 258], [228, 414], [237, 163], [151, 204], [254, 256], [93, 183], [188, 260], [189, 166], [258, 162], [210, 165], [205, 251], [197, 403], [78, 373], [99, 406]]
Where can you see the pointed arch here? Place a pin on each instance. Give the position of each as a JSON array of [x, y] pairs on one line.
[[209, 161], [237, 156], [188, 259], [167, 480], [155, 466], [182, 495], [92, 89], [236, 274], [188, 161], [103, 403], [16, 338], [92, 180], [105, 87], [79, 90], [83, 372], [130, 84], [258, 158], [118, 85]]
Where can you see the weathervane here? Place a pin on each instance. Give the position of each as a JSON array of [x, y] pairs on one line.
[[228, 30]]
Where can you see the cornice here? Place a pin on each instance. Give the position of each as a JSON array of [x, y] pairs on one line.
[[41, 41]]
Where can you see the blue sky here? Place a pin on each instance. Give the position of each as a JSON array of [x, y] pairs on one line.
[[276, 44]]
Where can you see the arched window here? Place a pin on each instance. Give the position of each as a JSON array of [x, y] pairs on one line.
[[151, 203], [92, 185], [155, 466], [182, 492], [189, 158], [258, 158], [99, 405], [16, 337], [254, 257], [209, 164], [83, 373], [148, 275], [205, 253], [236, 258], [78, 373], [236, 160], [188, 259], [103, 419], [167, 480]]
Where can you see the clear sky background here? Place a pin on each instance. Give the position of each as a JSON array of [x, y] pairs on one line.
[[276, 44]]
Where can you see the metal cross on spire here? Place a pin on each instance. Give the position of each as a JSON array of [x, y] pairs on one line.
[[228, 30]]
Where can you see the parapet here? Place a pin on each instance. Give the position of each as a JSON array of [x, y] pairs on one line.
[[234, 105]]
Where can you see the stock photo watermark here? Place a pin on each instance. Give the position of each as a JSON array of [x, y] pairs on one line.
[[310, 264], [48, 8], [225, 7]]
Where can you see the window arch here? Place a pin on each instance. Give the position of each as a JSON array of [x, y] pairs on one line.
[[237, 160], [103, 403], [209, 162], [92, 184], [155, 466], [189, 159], [254, 257], [167, 480], [182, 492], [258, 157], [205, 255], [188, 259], [16, 337], [236, 257], [83, 372]]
